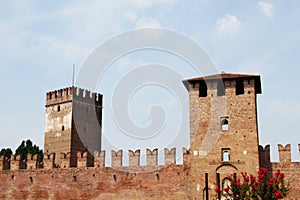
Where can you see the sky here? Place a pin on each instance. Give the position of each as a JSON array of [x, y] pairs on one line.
[[40, 42]]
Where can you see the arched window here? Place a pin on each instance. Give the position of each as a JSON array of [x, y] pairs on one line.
[[224, 123], [225, 155]]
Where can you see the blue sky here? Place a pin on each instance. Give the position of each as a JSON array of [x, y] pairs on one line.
[[39, 43]]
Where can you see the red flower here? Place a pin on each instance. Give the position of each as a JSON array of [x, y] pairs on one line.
[[246, 178], [281, 176], [238, 183], [277, 194], [271, 181], [249, 186], [261, 173], [277, 173], [252, 178], [218, 190]]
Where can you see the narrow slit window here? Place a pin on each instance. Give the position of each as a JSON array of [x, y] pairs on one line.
[[58, 108], [203, 89], [63, 128], [239, 87], [220, 88], [224, 124]]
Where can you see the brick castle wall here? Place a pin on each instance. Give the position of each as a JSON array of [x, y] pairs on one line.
[[34, 180], [285, 164]]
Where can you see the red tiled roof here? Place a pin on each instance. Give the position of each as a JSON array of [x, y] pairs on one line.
[[227, 76], [223, 76]]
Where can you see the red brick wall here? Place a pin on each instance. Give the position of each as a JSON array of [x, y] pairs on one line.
[[170, 182], [289, 168]]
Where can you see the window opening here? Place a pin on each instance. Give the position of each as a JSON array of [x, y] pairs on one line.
[[239, 87], [220, 88], [224, 123], [203, 89], [226, 155]]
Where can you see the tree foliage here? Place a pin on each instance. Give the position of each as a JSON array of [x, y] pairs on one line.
[[258, 188], [6, 152], [26, 148]]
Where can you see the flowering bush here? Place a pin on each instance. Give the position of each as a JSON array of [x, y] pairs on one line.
[[257, 188]]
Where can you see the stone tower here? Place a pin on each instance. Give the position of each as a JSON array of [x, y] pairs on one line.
[[224, 132], [73, 123]]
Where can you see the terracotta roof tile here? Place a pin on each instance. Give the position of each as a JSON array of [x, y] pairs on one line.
[[223, 76], [227, 76]]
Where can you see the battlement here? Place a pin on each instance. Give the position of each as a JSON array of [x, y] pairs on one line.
[[284, 156], [59, 96], [86, 96], [134, 157], [70, 94]]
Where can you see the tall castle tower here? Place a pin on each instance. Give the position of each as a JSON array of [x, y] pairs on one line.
[[73, 123], [224, 135]]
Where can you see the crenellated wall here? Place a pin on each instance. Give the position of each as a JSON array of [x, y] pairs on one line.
[[29, 179], [49, 181], [72, 93], [32, 163], [87, 96], [290, 168]]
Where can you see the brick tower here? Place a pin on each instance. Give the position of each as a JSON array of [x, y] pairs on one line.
[[73, 123], [224, 135]]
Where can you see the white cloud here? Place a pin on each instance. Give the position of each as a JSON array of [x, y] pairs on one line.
[[228, 25], [130, 16], [266, 8], [148, 3], [148, 22]]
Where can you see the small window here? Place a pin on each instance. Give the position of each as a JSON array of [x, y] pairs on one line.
[[63, 128], [220, 88], [224, 124], [202, 89], [239, 87], [58, 108], [225, 155]]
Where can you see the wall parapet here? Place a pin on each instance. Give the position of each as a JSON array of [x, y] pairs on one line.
[[83, 95], [69, 94], [32, 162], [284, 153]]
